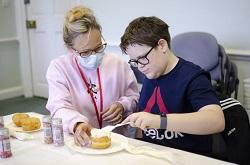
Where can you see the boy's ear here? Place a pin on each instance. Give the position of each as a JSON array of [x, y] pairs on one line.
[[162, 43]]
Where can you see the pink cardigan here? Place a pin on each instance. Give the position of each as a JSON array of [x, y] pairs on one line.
[[68, 97]]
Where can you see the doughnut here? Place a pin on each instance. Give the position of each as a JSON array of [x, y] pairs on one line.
[[16, 118]]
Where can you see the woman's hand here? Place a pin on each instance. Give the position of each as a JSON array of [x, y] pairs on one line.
[[82, 134], [143, 120], [114, 113]]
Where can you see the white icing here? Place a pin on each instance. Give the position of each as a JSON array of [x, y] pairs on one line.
[[97, 133]]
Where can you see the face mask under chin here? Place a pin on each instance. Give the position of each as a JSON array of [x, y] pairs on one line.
[[91, 62]]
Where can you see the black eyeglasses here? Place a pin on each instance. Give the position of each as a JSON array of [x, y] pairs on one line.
[[89, 52], [143, 60]]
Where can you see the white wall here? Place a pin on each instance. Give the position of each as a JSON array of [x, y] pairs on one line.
[[10, 78], [227, 20], [7, 19]]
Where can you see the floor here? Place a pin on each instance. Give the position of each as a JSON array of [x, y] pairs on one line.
[[22, 104]]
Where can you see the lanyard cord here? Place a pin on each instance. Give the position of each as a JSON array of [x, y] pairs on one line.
[[99, 117]]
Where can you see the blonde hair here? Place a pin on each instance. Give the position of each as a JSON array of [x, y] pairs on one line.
[[78, 20]]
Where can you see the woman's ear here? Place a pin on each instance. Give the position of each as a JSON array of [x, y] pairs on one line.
[[69, 48]]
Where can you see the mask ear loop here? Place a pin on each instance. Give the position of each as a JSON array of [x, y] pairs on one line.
[[103, 39]]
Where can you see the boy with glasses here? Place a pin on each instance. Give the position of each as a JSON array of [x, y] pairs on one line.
[[178, 106]]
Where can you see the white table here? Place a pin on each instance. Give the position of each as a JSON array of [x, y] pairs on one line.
[[35, 152]]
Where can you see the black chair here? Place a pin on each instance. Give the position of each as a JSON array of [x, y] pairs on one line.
[[203, 49], [233, 144]]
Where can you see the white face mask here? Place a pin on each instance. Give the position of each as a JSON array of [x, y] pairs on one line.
[[91, 62]]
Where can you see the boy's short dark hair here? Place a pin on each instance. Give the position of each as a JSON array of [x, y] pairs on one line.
[[145, 31]]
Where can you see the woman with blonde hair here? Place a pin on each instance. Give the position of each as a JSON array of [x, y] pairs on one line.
[[88, 87]]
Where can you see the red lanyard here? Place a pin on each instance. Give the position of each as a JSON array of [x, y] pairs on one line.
[[99, 117]]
